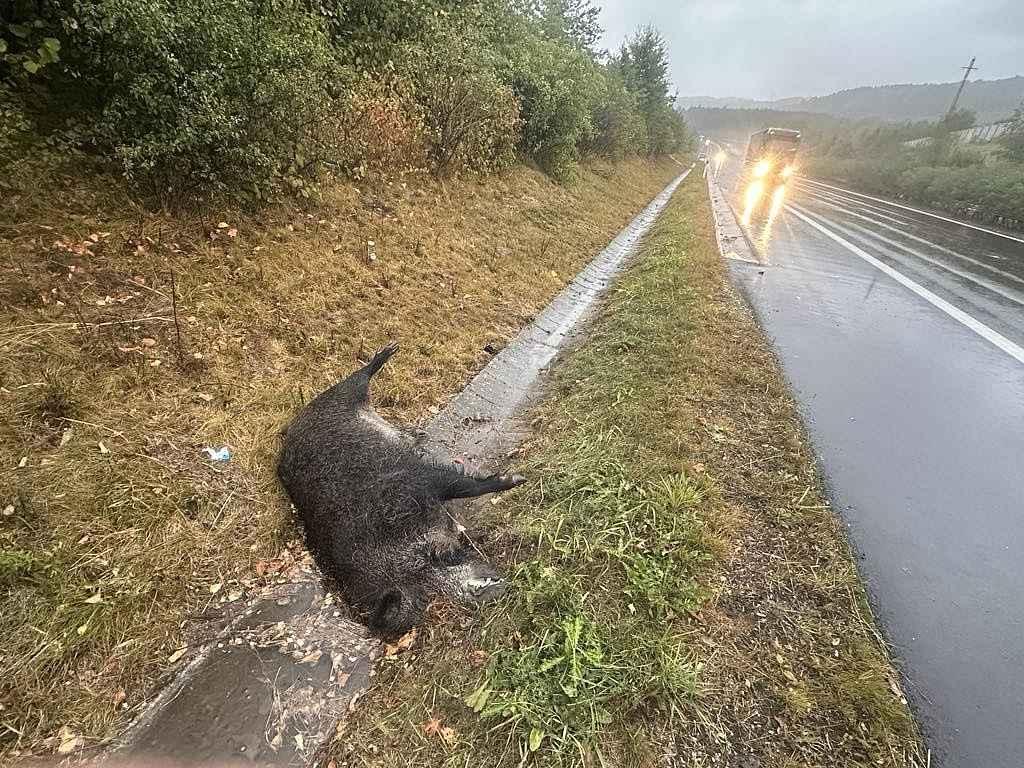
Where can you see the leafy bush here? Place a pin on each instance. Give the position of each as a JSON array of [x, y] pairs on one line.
[[667, 131], [371, 33], [988, 192], [15, 126], [377, 126], [27, 44], [619, 128], [471, 117], [1013, 140], [199, 96], [559, 89]]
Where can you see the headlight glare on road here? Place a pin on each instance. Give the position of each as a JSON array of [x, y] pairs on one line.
[[753, 194], [762, 168]]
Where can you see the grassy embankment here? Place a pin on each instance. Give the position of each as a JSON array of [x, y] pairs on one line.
[[681, 592], [129, 340]]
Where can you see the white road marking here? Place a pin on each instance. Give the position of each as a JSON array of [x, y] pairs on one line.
[[930, 244], [917, 210], [821, 194], [864, 233], [990, 335]]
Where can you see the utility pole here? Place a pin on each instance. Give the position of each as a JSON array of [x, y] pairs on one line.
[[967, 71]]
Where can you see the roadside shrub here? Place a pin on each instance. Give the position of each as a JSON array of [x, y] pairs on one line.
[[619, 128], [197, 97], [27, 42], [992, 193], [1013, 140], [558, 89], [667, 131], [471, 117], [16, 127], [377, 127], [370, 33]]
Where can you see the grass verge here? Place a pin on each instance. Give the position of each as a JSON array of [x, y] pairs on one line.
[[681, 592], [132, 339]]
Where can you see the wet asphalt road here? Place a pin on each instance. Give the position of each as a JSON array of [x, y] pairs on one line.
[[903, 338]]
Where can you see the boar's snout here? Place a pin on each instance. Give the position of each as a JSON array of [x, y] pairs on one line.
[[477, 582]]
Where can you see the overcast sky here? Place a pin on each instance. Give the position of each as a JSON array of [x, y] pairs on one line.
[[768, 49]]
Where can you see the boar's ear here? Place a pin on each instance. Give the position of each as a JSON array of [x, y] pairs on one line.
[[393, 614]]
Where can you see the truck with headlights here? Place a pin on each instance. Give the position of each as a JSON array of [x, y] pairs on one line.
[[771, 156]]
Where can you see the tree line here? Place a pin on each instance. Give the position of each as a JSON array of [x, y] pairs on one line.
[[193, 98]]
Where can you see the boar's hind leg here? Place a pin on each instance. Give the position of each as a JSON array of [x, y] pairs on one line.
[[357, 386], [454, 484], [378, 360]]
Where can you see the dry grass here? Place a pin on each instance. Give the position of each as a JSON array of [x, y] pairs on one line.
[[682, 593], [130, 340]]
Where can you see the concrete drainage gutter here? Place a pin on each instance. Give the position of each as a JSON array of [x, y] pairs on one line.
[[273, 685], [733, 240]]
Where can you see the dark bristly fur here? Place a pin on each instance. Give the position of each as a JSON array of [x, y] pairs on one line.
[[373, 506]]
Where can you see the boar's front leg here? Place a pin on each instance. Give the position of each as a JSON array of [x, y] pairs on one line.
[[454, 483]]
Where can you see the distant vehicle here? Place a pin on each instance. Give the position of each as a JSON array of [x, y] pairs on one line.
[[771, 155]]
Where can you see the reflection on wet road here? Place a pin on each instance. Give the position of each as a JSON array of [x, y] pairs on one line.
[[902, 334]]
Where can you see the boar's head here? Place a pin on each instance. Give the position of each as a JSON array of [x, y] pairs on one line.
[[396, 581]]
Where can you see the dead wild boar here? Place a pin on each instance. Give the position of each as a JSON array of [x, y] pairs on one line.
[[373, 507]]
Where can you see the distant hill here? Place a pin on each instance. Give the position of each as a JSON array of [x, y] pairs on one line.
[[990, 99]]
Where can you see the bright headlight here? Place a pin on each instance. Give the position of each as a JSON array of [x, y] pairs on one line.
[[788, 171], [762, 168]]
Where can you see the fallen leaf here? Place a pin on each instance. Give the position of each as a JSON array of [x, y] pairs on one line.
[[536, 737], [83, 629], [204, 397], [66, 436], [232, 232], [311, 658], [177, 655], [103, 449], [23, 463], [223, 225], [148, 342], [69, 740], [97, 598], [404, 643], [215, 588], [119, 697], [300, 743], [432, 727]]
